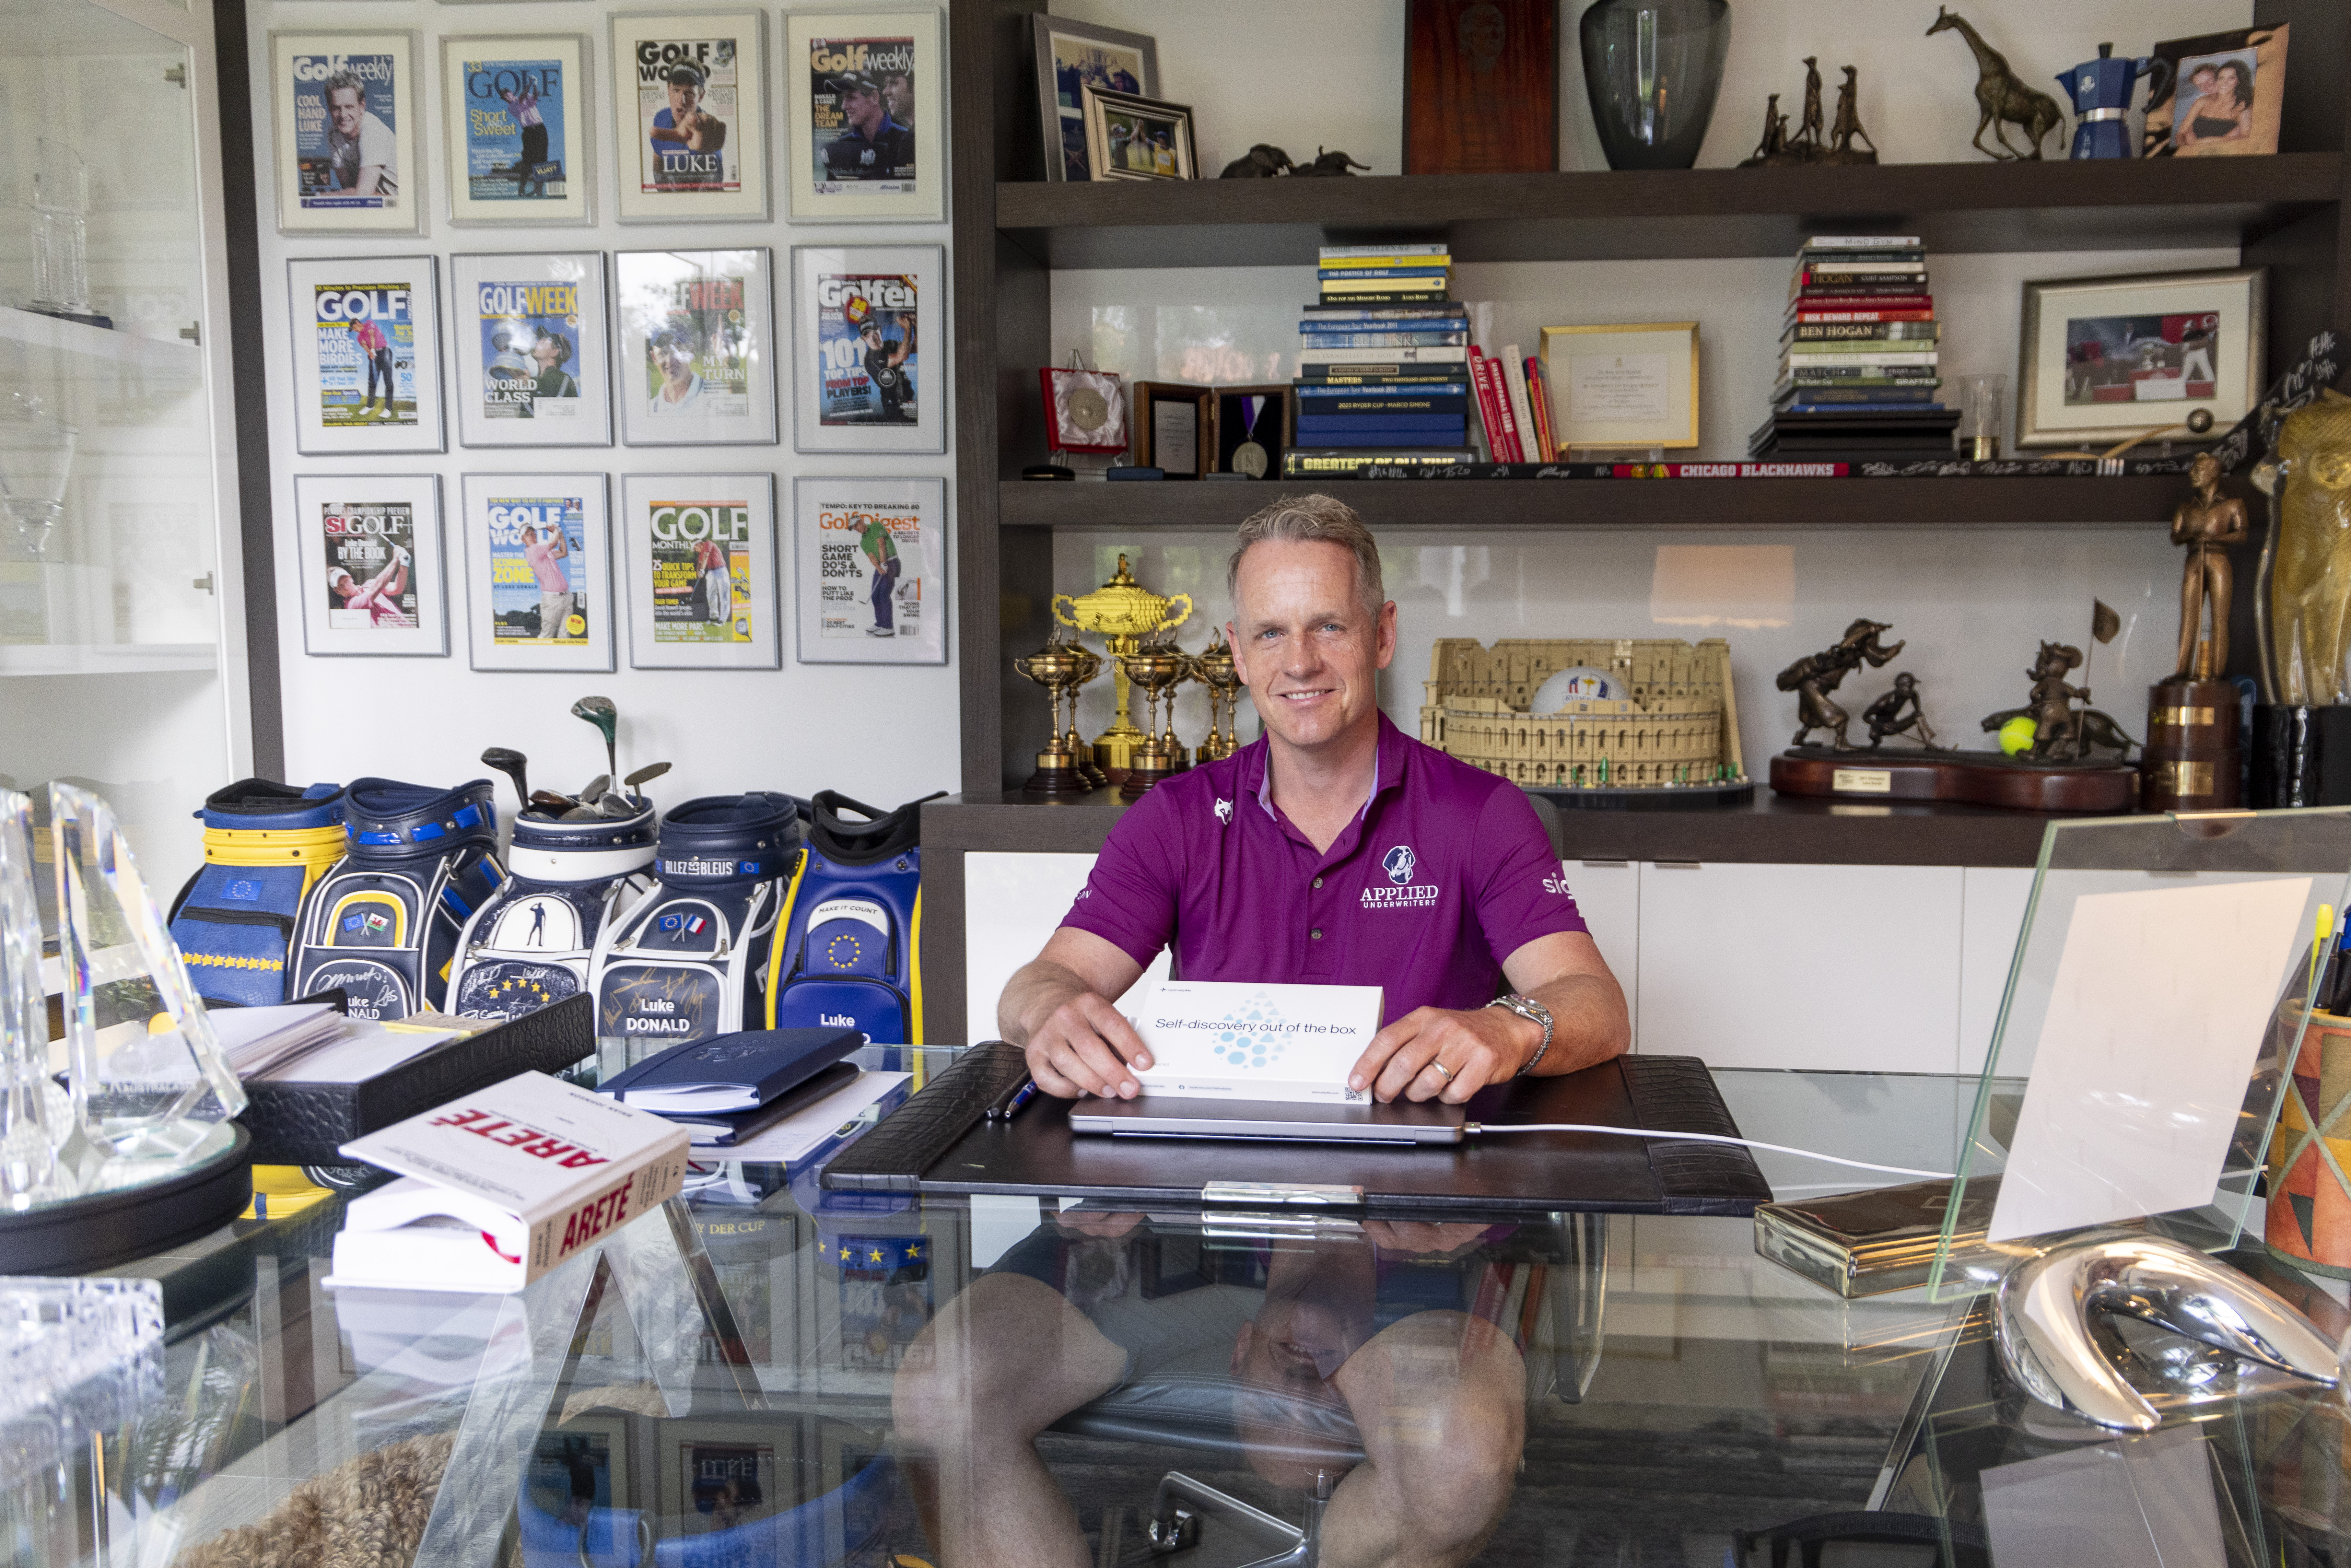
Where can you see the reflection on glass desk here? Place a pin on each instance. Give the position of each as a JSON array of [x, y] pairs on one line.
[[1647, 1388]]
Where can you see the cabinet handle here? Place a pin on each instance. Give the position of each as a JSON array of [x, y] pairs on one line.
[[1677, 865], [1607, 862]]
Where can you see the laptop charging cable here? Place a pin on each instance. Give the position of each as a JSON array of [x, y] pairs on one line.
[[1476, 1129]]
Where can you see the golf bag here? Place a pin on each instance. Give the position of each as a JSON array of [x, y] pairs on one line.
[[847, 950], [527, 947], [384, 923], [266, 846], [689, 961]]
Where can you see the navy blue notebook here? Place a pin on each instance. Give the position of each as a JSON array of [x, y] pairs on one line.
[[733, 1072]]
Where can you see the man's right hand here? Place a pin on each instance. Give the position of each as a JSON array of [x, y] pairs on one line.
[[1085, 1046]]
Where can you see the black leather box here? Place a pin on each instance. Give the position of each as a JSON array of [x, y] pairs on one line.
[[307, 1124]]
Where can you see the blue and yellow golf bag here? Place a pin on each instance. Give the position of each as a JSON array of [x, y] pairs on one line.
[[688, 960], [384, 923], [266, 845], [847, 951], [529, 944]]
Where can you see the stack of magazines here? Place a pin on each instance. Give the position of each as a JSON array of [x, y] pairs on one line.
[[1859, 360], [1383, 358]]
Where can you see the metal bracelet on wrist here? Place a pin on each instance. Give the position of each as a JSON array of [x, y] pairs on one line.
[[1532, 1011]]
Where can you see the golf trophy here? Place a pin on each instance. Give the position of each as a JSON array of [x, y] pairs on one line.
[[1213, 668], [1122, 612], [1060, 668], [1159, 666]]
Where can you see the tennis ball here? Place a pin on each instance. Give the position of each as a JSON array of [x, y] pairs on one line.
[[2016, 735]]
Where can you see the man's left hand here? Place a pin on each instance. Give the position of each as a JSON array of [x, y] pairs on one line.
[[1469, 1050]]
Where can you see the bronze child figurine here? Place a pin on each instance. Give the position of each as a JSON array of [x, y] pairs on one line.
[[1814, 676], [1886, 715], [2061, 732]]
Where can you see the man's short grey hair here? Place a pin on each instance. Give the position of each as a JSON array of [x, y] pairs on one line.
[[1315, 517]]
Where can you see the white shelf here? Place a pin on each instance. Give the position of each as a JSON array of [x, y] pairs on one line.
[[104, 658], [98, 342]]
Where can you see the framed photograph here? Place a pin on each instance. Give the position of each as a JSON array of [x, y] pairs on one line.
[[1175, 428], [863, 123], [582, 1466], [517, 130], [346, 109], [871, 558], [700, 571], [2219, 95], [717, 1476], [367, 354], [1251, 427], [1481, 87], [1129, 137], [1072, 57], [2104, 357], [860, 316], [538, 571], [534, 350], [368, 547], [690, 115], [697, 347], [1632, 385]]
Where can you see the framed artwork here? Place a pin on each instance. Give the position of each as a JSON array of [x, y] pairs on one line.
[[717, 1476], [1632, 385], [690, 115], [700, 571], [863, 116], [1130, 137], [1072, 57], [346, 109], [538, 571], [871, 561], [516, 130], [2103, 358], [584, 1461], [368, 547], [697, 347], [2219, 95], [534, 350], [1481, 87], [367, 354], [860, 315], [1175, 428]]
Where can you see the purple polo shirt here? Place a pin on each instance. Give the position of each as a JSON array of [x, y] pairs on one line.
[[1444, 872]]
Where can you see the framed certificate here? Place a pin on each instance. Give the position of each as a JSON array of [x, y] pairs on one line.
[[1622, 385], [538, 571], [372, 581], [700, 575], [346, 111], [517, 129], [870, 557], [534, 350], [862, 124], [689, 115], [697, 357], [367, 354], [860, 315]]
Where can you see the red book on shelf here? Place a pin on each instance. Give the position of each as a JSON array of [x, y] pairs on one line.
[[1863, 302], [1539, 399], [1490, 405], [1807, 318]]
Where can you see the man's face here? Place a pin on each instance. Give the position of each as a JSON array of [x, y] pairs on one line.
[[676, 360], [530, 536], [683, 96], [898, 93], [1308, 651], [2204, 469], [344, 105], [872, 333], [548, 355], [2206, 79], [863, 107]]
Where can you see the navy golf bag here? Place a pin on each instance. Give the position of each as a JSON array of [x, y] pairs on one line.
[[846, 952], [266, 847], [689, 961], [528, 945], [383, 925]]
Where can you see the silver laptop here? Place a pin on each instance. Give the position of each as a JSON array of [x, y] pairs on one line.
[[1161, 1116]]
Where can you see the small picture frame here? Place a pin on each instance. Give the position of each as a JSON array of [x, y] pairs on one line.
[[538, 571], [690, 115], [1253, 427], [534, 350], [1175, 428], [1622, 385], [864, 128], [1481, 87], [347, 111], [373, 583], [1072, 56], [367, 354], [697, 362], [859, 316], [700, 571], [1085, 411], [870, 555], [719, 1477], [516, 128], [2219, 95], [2103, 358], [1131, 136]]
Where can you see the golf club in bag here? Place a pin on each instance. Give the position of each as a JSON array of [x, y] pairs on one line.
[[689, 961], [384, 923], [846, 952], [266, 845]]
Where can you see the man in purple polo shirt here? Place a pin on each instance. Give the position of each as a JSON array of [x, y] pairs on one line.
[[1335, 850]]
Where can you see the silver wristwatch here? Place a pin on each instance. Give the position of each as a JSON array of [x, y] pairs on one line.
[[1532, 1011]]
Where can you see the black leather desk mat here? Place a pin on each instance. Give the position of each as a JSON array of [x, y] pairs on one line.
[[1036, 1154]]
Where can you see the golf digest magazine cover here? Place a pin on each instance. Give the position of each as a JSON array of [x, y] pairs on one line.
[[540, 570], [515, 135], [865, 349], [367, 354], [870, 563]]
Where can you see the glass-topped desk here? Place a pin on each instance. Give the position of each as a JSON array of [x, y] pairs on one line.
[[1672, 1388]]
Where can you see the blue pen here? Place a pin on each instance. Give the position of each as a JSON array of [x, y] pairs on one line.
[[1027, 1093]]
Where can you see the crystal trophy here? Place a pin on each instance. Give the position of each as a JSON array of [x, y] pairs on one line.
[[34, 1112], [61, 235], [36, 452]]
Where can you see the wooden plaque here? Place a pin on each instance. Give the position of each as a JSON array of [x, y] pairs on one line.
[[1975, 778], [1481, 87]]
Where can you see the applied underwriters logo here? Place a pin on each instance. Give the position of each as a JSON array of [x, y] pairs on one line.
[[1399, 864], [1402, 893]]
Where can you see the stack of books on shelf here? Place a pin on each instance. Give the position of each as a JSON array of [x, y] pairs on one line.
[[1859, 366], [1382, 360]]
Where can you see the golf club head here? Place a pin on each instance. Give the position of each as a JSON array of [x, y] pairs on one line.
[[583, 814], [511, 763], [549, 800], [645, 774], [595, 790], [615, 805], [599, 712]]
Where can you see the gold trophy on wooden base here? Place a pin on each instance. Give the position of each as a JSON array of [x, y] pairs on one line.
[[1060, 668], [1159, 666], [1122, 612], [1213, 668]]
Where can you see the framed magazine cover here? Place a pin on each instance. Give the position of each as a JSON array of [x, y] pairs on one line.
[[516, 131], [870, 560], [538, 571], [367, 354], [373, 582], [697, 362], [863, 131], [859, 316], [700, 571], [534, 357], [347, 111], [690, 115]]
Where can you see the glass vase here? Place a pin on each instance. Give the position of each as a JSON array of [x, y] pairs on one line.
[[1652, 68]]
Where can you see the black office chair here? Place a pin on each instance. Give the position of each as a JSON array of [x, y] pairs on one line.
[[1188, 1403]]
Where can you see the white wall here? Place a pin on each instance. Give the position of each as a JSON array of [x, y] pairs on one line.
[[883, 735]]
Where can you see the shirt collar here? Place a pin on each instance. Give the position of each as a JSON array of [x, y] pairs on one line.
[[1388, 769]]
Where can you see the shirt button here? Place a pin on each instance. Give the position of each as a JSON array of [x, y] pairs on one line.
[[1316, 934], [1318, 882]]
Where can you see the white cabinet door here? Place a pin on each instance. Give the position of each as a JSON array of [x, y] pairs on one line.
[[1011, 903], [1608, 892], [1815, 967], [1990, 916]]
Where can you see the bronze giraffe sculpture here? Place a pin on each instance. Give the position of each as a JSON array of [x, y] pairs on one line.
[[2001, 95]]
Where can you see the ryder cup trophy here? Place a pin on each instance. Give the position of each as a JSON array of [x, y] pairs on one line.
[[1058, 667], [1122, 612], [1159, 666], [1213, 668]]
